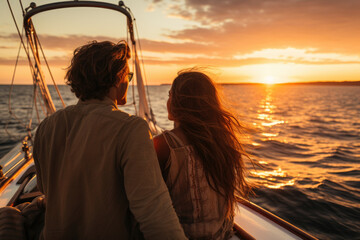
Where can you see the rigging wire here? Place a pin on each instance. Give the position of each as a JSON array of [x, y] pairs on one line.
[[31, 114], [48, 67], [133, 82], [152, 117], [22, 8], [30, 111], [36, 108], [41, 103], [20, 35], [12, 114], [26, 49], [38, 96], [142, 61], [133, 70]]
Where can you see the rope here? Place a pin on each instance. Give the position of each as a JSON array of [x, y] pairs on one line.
[[11, 90], [9, 100], [20, 35], [52, 77], [32, 110], [36, 108], [41, 104]]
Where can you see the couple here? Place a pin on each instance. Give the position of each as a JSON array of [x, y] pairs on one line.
[[99, 170]]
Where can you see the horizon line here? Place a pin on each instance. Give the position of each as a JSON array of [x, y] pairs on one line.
[[344, 82]]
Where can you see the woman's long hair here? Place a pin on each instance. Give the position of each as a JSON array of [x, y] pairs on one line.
[[213, 133]]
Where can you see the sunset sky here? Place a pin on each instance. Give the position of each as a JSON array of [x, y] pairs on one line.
[[240, 40]]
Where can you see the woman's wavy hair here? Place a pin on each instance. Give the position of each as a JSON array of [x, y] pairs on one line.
[[212, 131], [96, 67]]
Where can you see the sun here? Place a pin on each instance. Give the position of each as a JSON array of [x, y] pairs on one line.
[[269, 80]]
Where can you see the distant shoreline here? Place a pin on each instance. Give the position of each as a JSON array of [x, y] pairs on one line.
[[320, 83], [327, 83], [345, 83]]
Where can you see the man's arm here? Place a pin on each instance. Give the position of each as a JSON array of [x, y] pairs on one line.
[[149, 199]]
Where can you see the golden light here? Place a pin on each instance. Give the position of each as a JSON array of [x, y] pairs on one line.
[[269, 80]]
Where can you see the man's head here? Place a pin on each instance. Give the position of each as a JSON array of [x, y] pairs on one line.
[[97, 67]]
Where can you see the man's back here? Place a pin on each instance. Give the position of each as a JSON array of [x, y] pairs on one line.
[[98, 169]]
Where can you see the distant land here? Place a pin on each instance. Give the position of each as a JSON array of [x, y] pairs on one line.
[[325, 83], [347, 83]]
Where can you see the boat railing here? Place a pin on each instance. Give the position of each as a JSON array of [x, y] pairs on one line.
[[71, 4], [279, 221]]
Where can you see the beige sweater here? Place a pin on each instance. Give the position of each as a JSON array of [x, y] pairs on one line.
[[99, 172]]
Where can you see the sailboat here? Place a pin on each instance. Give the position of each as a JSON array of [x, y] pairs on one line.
[[17, 170]]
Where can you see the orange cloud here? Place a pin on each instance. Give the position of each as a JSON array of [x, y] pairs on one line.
[[185, 53], [245, 26]]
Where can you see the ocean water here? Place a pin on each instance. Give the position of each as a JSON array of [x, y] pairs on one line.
[[307, 139]]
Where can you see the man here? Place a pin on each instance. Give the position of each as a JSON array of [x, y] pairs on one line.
[[96, 165]]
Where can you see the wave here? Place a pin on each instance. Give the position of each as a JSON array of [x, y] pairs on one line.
[[322, 218], [331, 132], [348, 173], [323, 120], [274, 149], [340, 155]]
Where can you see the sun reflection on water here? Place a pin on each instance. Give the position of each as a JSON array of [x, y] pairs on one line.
[[267, 123], [268, 174], [275, 179], [267, 109], [272, 123], [270, 134], [280, 185]]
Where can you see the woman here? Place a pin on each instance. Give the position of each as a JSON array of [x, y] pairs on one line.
[[201, 158]]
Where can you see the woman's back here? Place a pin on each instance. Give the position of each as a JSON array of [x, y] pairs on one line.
[[206, 173], [201, 211]]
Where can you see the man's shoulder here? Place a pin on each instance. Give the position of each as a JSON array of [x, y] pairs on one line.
[[135, 123], [119, 115], [56, 114], [55, 117], [47, 119]]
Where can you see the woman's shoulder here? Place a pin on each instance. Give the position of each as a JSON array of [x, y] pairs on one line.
[[159, 140], [177, 135]]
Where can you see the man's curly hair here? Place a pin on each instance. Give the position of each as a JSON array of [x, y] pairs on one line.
[[96, 67]]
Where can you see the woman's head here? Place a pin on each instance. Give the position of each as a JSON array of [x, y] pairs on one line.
[[193, 93], [96, 67], [214, 132]]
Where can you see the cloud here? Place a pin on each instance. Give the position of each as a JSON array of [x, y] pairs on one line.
[[247, 25], [218, 46], [53, 61], [62, 43], [186, 53], [176, 10], [184, 47]]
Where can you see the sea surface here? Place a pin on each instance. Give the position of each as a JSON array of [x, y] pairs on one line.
[[306, 137]]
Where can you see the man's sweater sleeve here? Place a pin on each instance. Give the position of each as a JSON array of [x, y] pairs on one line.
[[148, 196]]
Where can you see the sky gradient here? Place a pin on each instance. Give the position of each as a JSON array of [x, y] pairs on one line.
[[238, 40]]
